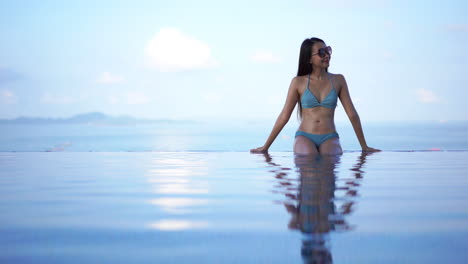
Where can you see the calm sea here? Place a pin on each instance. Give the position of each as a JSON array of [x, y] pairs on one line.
[[233, 207], [212, 136], [192, 193]]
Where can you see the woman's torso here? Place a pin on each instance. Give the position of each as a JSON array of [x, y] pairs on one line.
[[318, 104]]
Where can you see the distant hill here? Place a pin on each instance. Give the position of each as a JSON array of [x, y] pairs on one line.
[[87, 118]]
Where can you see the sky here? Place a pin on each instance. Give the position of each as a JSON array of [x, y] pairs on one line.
[[230, 60]]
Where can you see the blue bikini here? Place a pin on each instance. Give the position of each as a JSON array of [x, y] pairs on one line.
[[308, 100]]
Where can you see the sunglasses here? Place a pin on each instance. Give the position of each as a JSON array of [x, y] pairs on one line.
[[322, 52]]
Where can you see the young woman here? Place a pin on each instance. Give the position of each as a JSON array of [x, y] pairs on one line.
[[317, 92]]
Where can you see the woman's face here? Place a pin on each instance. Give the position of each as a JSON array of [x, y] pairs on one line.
[[316, 60]]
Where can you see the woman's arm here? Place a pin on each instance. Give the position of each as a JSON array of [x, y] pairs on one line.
[[353, 116], [283, 118]]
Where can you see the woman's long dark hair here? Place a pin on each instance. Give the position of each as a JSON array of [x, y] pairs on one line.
[[305, 67]]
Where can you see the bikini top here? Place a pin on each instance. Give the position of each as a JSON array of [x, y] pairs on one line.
[[308, 99]]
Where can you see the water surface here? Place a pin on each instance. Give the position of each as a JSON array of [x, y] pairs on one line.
[[233, 207]]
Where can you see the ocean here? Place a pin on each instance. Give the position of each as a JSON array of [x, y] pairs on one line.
[[222, 136], [192, 193]]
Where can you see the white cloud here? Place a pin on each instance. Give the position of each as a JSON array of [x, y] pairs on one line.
[[172, 50], [7, 97], [426, 96], [264, 56], [108, 78]]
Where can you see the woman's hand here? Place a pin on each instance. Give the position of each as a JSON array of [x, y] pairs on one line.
[[369, 149], [259, 150]]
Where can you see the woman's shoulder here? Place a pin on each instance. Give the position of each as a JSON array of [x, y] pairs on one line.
[[299, 78], [338, 80], [298, 81], [337, 76]]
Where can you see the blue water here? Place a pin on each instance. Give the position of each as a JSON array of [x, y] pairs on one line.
[[212, 136], [191, 193], [233, 207]]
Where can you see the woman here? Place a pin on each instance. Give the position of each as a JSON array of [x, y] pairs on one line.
[[316, 91]]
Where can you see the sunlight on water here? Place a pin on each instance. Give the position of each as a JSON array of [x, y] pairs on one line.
[[178, 205], [175, 225], [175, 176]]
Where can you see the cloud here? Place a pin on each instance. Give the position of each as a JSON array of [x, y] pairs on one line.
[[264, 56], [7, 97], [171, 50], [108, 78], [426, 96]]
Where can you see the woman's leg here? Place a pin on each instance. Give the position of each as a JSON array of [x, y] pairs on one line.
[[304, 146], [331, 147]]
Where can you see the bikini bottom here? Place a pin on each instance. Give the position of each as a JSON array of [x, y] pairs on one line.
[[317, 139]]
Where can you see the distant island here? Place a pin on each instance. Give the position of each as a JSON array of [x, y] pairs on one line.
[[93, 118]]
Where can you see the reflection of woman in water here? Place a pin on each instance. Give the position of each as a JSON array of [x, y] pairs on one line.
[[317, 92], [313, 206]]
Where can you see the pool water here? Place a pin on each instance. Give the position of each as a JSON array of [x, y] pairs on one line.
[[233, 207]]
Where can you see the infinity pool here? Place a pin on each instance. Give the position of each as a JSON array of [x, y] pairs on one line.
[[233, 207]]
